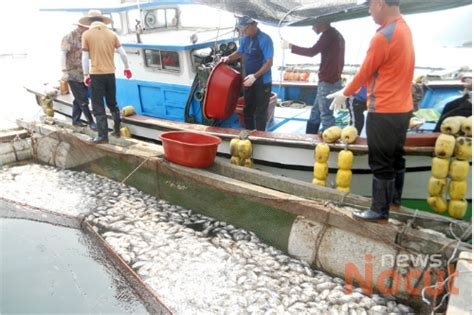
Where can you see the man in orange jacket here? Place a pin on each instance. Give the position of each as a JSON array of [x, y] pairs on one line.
[[388, 73]]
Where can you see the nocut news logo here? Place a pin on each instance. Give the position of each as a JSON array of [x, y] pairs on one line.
[[409, 273]]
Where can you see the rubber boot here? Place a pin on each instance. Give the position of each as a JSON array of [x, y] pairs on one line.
[[398, 190], [382, 194], [102, 130], [90, 120], [116, 119], [76, 114]]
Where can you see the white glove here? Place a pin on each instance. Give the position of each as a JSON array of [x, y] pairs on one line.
[[285, 45], [339, 100], [225, 59], [249, 80], [65, 76]]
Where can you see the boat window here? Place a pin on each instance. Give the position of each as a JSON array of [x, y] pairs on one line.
[[170, 60], [159, 18], [133, 19], [116, 22], [162, 59], [152, 58], [171, 18]]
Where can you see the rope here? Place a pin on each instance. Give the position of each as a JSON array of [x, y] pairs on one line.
[[56, 152], [450, 275], [319, 240], [12, 143], [341, 202], [398, 241], [136, 169]]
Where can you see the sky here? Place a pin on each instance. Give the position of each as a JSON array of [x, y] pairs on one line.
[[25, 28]]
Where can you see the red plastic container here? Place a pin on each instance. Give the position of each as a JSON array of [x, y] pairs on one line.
[[190, 149], [222, 92]]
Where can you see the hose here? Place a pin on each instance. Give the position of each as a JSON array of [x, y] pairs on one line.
[[187, 117]]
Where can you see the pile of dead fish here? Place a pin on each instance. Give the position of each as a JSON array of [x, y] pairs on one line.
[[197, 264]]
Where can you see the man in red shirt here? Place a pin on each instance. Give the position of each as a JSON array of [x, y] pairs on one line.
[[331, 46], [388, 73]]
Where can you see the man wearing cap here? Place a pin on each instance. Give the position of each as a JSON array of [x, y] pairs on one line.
[[71, 48], [99, 44], [256, 49], [388, 73], [331, 46]]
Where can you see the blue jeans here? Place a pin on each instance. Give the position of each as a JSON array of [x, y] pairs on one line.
[[320, 113]]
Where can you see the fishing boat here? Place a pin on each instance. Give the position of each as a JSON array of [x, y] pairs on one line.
[[173, 66]]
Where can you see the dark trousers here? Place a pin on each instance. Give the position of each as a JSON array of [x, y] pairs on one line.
[[103, 87], [356, 111], [81, 101], [256, 100], [386, 135]]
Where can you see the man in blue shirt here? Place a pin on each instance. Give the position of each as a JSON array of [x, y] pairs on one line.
[[256, 49]]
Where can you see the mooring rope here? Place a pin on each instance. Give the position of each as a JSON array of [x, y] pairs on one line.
[[444, 283], [319, 240], [137, 168]]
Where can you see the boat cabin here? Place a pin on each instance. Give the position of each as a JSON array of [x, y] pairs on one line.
[[164, 55]]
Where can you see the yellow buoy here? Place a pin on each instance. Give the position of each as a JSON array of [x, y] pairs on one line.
[[343, 189], [321, 170], [343, 178], [248, 163], [439, 167], [125, 132], [332, 134], [437, 203], [457, 208], [234, 147], [128, 111], [436, 186], [463, 148], [245, 149], [321, 153], [458, 170], [444, 147], [349, 134], [235, 160], [319, 182], [451, 125], [344, 160], [466, 126], [457, 189]]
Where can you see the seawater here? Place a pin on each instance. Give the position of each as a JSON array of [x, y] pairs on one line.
[[52, 269]]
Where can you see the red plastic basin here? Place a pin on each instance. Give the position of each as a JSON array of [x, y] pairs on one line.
[[189, 148], [222, 92]]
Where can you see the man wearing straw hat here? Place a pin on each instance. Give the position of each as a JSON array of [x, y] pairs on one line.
[[71, 48], [99, 44]]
